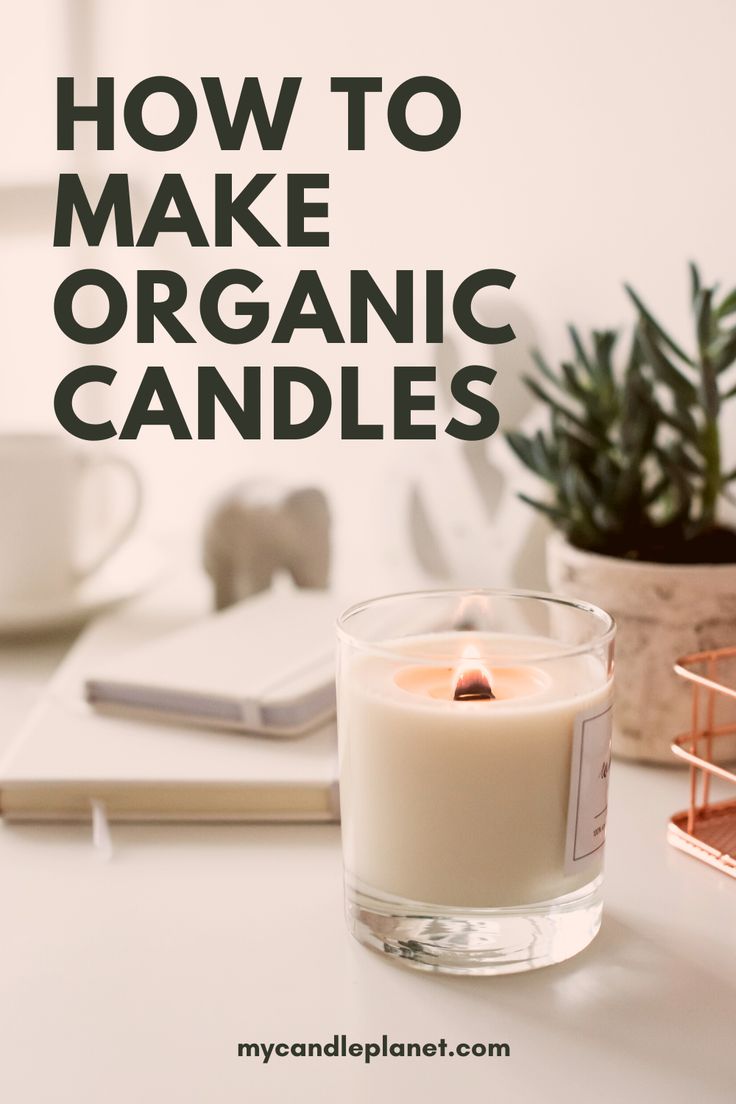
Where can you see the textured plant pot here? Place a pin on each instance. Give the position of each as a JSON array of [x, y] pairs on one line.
[[662, 611]]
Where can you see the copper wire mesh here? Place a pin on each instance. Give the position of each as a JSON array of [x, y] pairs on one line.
[[707, 829]]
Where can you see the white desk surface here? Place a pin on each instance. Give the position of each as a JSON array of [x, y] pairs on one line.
[[135, 979]]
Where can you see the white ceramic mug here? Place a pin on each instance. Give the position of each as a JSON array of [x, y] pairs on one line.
[[42, 477]]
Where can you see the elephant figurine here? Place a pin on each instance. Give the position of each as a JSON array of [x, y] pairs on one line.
[[260, 528]]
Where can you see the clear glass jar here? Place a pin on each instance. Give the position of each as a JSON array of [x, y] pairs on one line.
[[474, 735]]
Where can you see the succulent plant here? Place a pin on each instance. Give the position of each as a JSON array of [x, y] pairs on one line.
[[632, 453]]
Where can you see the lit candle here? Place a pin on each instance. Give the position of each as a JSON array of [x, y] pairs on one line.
[[474, 768]]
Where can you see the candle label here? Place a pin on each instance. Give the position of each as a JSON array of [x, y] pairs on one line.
[[588, 805]]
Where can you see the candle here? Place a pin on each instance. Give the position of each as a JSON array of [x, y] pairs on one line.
[[474, 763]]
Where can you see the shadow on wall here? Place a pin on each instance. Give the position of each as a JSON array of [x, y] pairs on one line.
[[466, 522]]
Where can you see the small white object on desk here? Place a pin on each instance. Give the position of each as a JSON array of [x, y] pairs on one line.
[[260, 528]]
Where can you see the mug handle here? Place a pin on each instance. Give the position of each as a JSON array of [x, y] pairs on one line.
[[124, 528]]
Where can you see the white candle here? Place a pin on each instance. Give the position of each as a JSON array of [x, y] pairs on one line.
[[467, 803]]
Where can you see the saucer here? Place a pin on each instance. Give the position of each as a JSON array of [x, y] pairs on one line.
[[133, 569]]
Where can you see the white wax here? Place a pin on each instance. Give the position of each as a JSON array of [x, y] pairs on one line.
[[462, 803]]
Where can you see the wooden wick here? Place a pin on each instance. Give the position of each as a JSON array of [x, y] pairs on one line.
[[473, 686]]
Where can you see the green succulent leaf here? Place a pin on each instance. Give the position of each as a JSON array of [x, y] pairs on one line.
[[553, 512], [604, 342], [656, 492], [655, 326], [522, 447], [664, 368], [727, 305], [723, 351], [574, 386], [580, 351], [544, 368], [563, 411], [704, 319]]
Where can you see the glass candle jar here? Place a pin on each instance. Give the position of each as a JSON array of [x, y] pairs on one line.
[[474, 732]]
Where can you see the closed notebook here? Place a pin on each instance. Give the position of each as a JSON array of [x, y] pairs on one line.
[[69, 755], [264, 665]]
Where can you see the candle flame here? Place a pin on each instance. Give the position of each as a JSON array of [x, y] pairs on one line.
[[472, 680]]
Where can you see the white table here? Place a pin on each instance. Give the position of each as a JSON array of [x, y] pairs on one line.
[[135, 979]]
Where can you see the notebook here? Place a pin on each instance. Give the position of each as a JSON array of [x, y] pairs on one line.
[[69, 756], [263, 665]]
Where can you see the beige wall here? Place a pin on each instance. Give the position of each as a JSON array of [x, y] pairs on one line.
[[596, 145]]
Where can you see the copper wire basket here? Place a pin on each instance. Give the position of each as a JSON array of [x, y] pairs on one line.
[[707, 829]]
